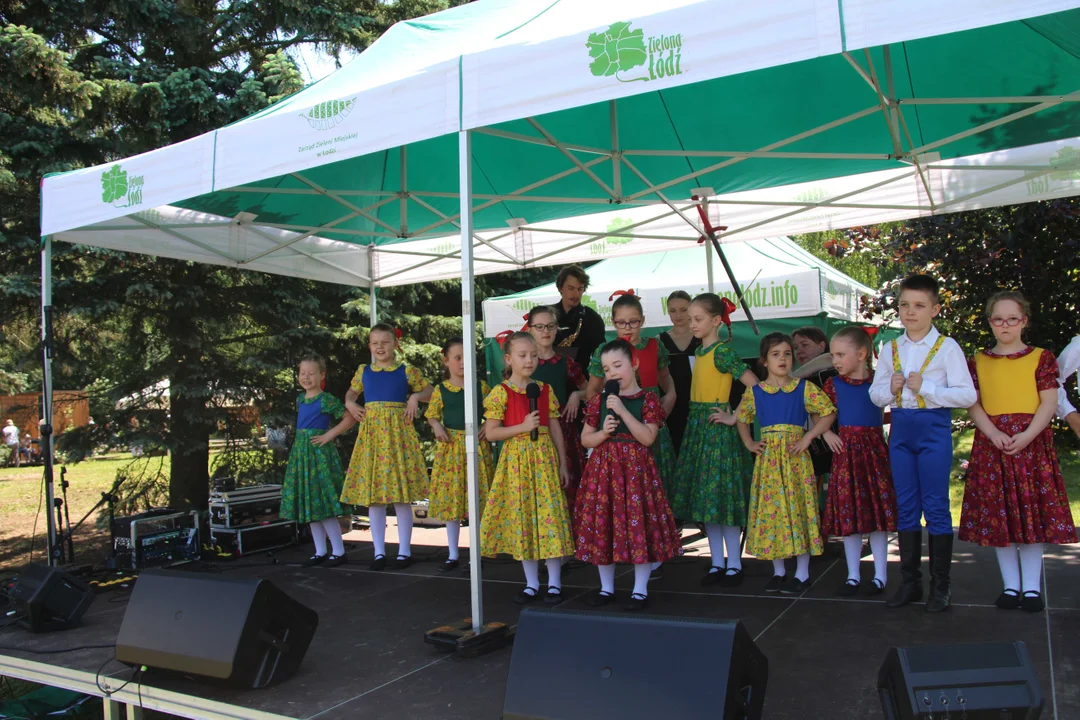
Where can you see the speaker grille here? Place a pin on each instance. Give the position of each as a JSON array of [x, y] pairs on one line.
[[967, 657]]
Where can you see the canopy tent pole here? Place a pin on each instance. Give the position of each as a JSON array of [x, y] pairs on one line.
[[373, 310], [708, 269], [55, 548], [468, 336]]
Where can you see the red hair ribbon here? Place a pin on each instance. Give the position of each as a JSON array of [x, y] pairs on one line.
[[872, 332], [397, 333], [615, 294], [525, 327], [726, 308], [706, 224], [322, 385], [502, 337]]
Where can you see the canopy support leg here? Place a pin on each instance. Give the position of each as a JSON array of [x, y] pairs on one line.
[[708, 269], [55, 548], [373, 306]]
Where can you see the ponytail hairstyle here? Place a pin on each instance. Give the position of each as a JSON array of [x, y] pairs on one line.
[[618, 345], [716, 306], [626, 299], [515, 337], [861, 339], [446, 348], [320, 362]]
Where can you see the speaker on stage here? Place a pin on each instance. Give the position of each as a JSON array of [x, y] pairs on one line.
[[45, 598], [977, 681], [246, 632], [577, 665]]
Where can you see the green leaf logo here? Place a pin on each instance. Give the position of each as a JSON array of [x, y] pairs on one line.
[[327, 114], [1066, 163], [619, 225], [617, 50], [114, 184]]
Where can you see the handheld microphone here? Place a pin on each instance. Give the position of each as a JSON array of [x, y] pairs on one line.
[[611, 387], [532, 391]]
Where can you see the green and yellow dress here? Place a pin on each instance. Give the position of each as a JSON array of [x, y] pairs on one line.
[[449, 497], [387, 464], [313, 476]]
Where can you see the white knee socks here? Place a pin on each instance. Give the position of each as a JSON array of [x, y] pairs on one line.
[[607, 578], [377, 517], [453, 532], [641, 578], [853, 553], [778, 568], [404, 528], [1009, 564], [1031, 557], [554, 568], [532, 574], [715, 533], [879, 545], [802, 567], [319, 536], [732, 536], [332, 528]]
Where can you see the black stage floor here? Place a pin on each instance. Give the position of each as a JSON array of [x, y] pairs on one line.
[[368, 659]]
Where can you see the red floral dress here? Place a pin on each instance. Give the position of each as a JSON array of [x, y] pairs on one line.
[[622, 513], [861, 498], [1019, 498]]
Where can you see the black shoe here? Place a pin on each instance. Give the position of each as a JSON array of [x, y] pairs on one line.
[[875, 587], [850, 588], [1009, 599], [1032, 602], [795, 586], [774, 585], [525, 596], [448, 565], [638, 602], [401, 562], [713, 576], [733, 577], [335, 560], [314, 560], [910, 589], [600, 599], [657, 574], [553, 596], [940, 563], [379, 563]]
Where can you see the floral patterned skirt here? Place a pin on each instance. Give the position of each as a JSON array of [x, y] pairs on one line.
[[1015, 499], [712, 482], [861, 498], [387, 465], [784, 518], [525, 515], [313, 480], [622, 513], [449, 498], [575, 458]]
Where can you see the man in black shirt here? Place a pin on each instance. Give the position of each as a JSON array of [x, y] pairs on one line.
[[581, 329]]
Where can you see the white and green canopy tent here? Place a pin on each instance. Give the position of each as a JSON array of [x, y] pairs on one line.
[[503, 114], [785, 286]]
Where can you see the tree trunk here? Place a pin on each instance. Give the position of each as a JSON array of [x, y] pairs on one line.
[[189, 480]]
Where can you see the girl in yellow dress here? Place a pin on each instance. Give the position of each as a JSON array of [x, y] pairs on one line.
[[526, 514], [784, 518], [387, 465], [449, 498]]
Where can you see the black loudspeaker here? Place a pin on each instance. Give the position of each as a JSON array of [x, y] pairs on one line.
[[246, 632], [978, 681], [49, 599], [586, 665]]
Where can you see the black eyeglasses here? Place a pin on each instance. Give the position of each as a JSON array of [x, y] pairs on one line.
[[628, 324], [550, 327]]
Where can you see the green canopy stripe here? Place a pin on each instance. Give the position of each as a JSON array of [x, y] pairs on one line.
[[514, 30]]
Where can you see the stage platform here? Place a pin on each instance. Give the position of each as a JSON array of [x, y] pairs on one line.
[[368, 659]]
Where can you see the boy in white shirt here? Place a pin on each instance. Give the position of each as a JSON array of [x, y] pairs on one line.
[[1068, 363], [922, 375]]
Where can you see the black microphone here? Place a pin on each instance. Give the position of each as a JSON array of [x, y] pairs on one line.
[[532, 391], [611, 387]]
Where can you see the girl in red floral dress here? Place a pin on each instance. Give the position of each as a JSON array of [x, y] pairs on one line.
[[861, 498], [1015, 496], [622, 513]]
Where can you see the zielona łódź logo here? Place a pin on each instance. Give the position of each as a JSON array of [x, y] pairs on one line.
[[328, 114], [120, 189], [618, 50]]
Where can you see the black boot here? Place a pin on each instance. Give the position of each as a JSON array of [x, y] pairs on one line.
[[910, 589], [940, 561]]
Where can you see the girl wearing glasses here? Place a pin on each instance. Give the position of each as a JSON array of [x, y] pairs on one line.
[[1015, 500], [653, 375], [567, 380]]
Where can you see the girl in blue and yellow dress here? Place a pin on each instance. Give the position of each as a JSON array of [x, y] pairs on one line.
[[568, 381], [525, 515], [712, 482], [628, 317], [784, 519], [449, 497], [387, 465], [313, 476], [1015, 499]]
